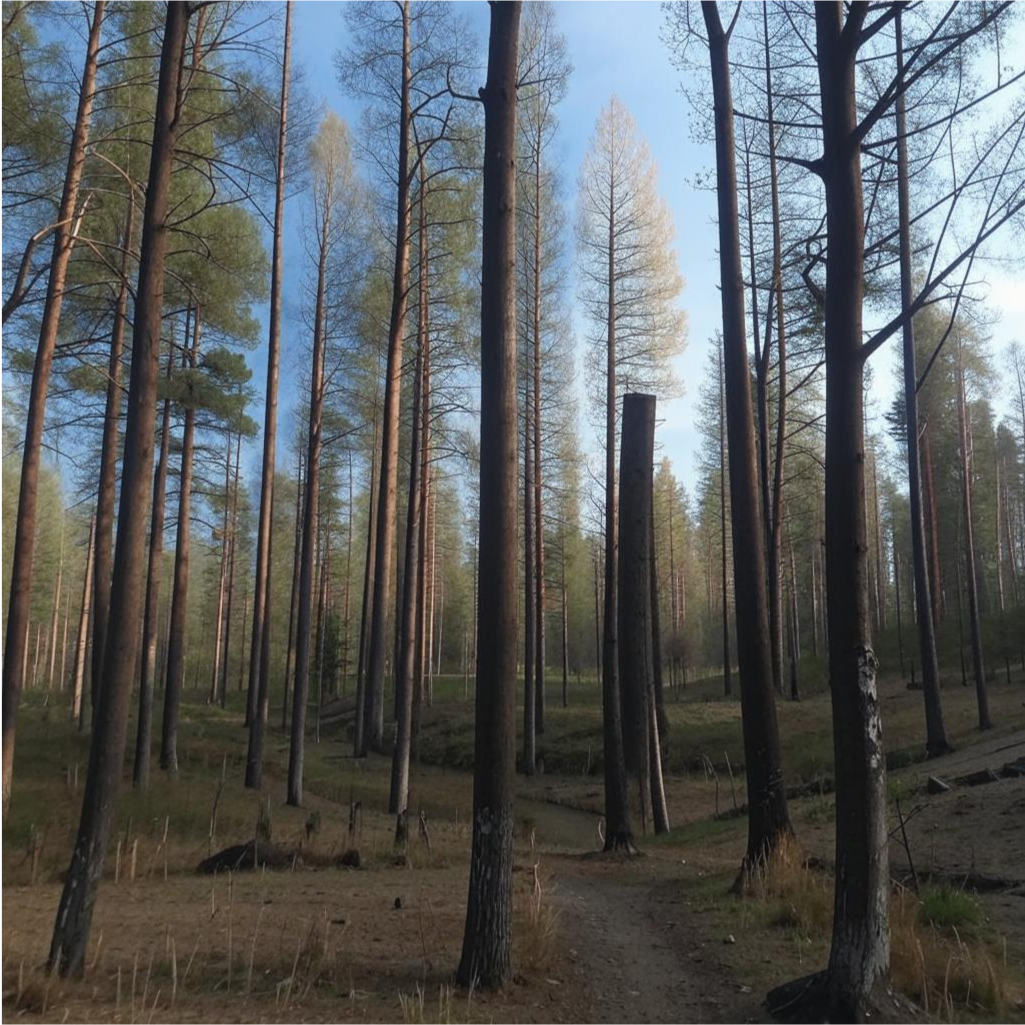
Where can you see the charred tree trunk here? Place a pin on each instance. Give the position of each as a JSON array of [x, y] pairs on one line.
[[259, 655], [487, 939], [106, 752], [20, 598]]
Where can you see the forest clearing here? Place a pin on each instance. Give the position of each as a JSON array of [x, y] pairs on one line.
[[513, 511]]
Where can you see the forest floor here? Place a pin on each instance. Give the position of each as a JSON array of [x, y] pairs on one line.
[[659, 937]]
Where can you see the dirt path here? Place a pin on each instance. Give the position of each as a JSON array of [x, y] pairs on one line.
[[638, 949]]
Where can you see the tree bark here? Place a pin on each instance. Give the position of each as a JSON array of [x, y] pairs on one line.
[[487, 939], [529, 589], [106, 753], [259, 656], [20, 599], [727, 677]]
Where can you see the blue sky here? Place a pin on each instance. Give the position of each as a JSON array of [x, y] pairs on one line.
[[615, 47]]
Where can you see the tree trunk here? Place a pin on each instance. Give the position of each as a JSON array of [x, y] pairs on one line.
[[978, 667], [108, 464], [933, 533], [487, 939], [768, 818], [151, 611], [296, 554], [368, 590], [529, 589], [407, 633], [373, 724], [176, 638], [925, 591], [539, 533], [20, 599], [259, 655], [106, 752], [222, 577], [636, 632], [727, 678], [78, 686], [311, 509], [222, 693], [618, 832], [859, 955]]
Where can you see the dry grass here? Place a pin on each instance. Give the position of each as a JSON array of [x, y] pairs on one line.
[[949, 971], [947, 974], [535, 920]]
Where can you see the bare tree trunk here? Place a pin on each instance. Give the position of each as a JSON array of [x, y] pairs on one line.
[[539, 533], [259, 656], [368, 589], [346, 615], [768, 817], [971, 582], [311, 510], [106, 753], [108, 463], [487, 939], [926, 592], [151, 611], [935, 591], [529, 589], [636, 631], [296, 552], [222, 577], [373, 725], [407, 625], [176, 638], [78, 686], [422, 571], [20, 598], [618, 832], [55, 619], [727, 679], [565, 625], [222, 694]]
